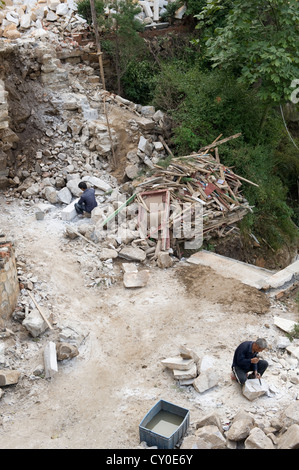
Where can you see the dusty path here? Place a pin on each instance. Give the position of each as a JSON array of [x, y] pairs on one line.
[[98, 399]]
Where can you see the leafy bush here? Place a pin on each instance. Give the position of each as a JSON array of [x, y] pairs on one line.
[[84, 9], [207, 104], [138, 81]]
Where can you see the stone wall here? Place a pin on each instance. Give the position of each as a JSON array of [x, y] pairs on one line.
[[9, 285]]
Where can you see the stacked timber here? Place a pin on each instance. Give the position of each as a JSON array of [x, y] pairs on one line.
[[199, 179]]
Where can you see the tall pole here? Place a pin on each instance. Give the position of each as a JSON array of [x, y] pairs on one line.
[[96, 31]]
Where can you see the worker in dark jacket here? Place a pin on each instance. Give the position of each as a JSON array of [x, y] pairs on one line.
[[87, 201], [246, 360]]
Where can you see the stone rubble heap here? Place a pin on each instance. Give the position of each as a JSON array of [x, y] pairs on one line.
[[34, 17], [244, 432]]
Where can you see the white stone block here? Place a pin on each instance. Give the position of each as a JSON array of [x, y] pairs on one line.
[[253, 388], [69, 212], [50, 360]]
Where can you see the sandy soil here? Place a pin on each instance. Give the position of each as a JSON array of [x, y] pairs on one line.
[[97, 400]]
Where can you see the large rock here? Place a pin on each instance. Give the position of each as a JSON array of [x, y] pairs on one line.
[[257, 439], [35, 323], [212, 418], [9, 377], [212, 435], [72, 185], [253, 389], [164, 260], [284, 324], [241, 426], [97, 183], [65, 196], [207, 379], [291, 414], [51, 195], [132, 254], [66, 351], [139, 279], [290, 439]]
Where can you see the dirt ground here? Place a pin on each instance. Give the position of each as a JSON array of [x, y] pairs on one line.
[[98, 399]]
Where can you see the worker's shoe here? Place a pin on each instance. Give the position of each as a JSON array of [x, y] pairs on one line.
[[87, 215]]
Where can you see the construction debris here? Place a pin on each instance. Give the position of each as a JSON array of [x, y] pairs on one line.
[[192, 189]]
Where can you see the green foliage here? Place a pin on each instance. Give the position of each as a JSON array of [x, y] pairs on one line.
[[257, 40], [170, 10], [138, 81], [294, 334], [84, 9], [207, 104]]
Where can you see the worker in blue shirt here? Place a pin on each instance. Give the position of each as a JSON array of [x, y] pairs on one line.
[[246, 360], [87, 201]]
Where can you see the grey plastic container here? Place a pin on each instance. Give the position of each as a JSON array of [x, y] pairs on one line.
[[162, 442]]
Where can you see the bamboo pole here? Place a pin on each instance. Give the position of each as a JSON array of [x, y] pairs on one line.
[[98, 44]]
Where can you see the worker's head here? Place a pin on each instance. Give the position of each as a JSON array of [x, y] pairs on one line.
[[82, 185], [259, 345]]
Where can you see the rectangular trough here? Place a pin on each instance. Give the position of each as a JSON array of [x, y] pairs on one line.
[[164, 425]]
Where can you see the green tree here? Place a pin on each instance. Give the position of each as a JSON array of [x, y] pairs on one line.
[[84, 9], [257, 40], [126, 43]]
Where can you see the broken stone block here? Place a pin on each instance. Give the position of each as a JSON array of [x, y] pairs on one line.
[[212, 435], [108, 253], [211, 419], [185, 374], [9, 377], [187, 353], [129, 268], [206, 380], [207, 362], [257, 439], [291, 414], [131, 253], [66, 351], [35, 323], [290, 439], [132, 171], [164, 260], [51, 194], [65, 196], [133, 279], [50, 360], [253, 389], [97, 183], [284, 324], [178, 363], [145, 146], [69, 212], [241, 426]]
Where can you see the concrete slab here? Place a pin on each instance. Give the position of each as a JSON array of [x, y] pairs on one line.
[[285, 276], [231, 268]]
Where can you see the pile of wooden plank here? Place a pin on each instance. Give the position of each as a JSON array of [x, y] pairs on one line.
[[197, 179]]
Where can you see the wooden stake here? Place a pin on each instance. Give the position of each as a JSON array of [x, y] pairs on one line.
[[40, 311]]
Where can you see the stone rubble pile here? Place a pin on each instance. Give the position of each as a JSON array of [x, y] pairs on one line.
[[243, 431], [19, 19]]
